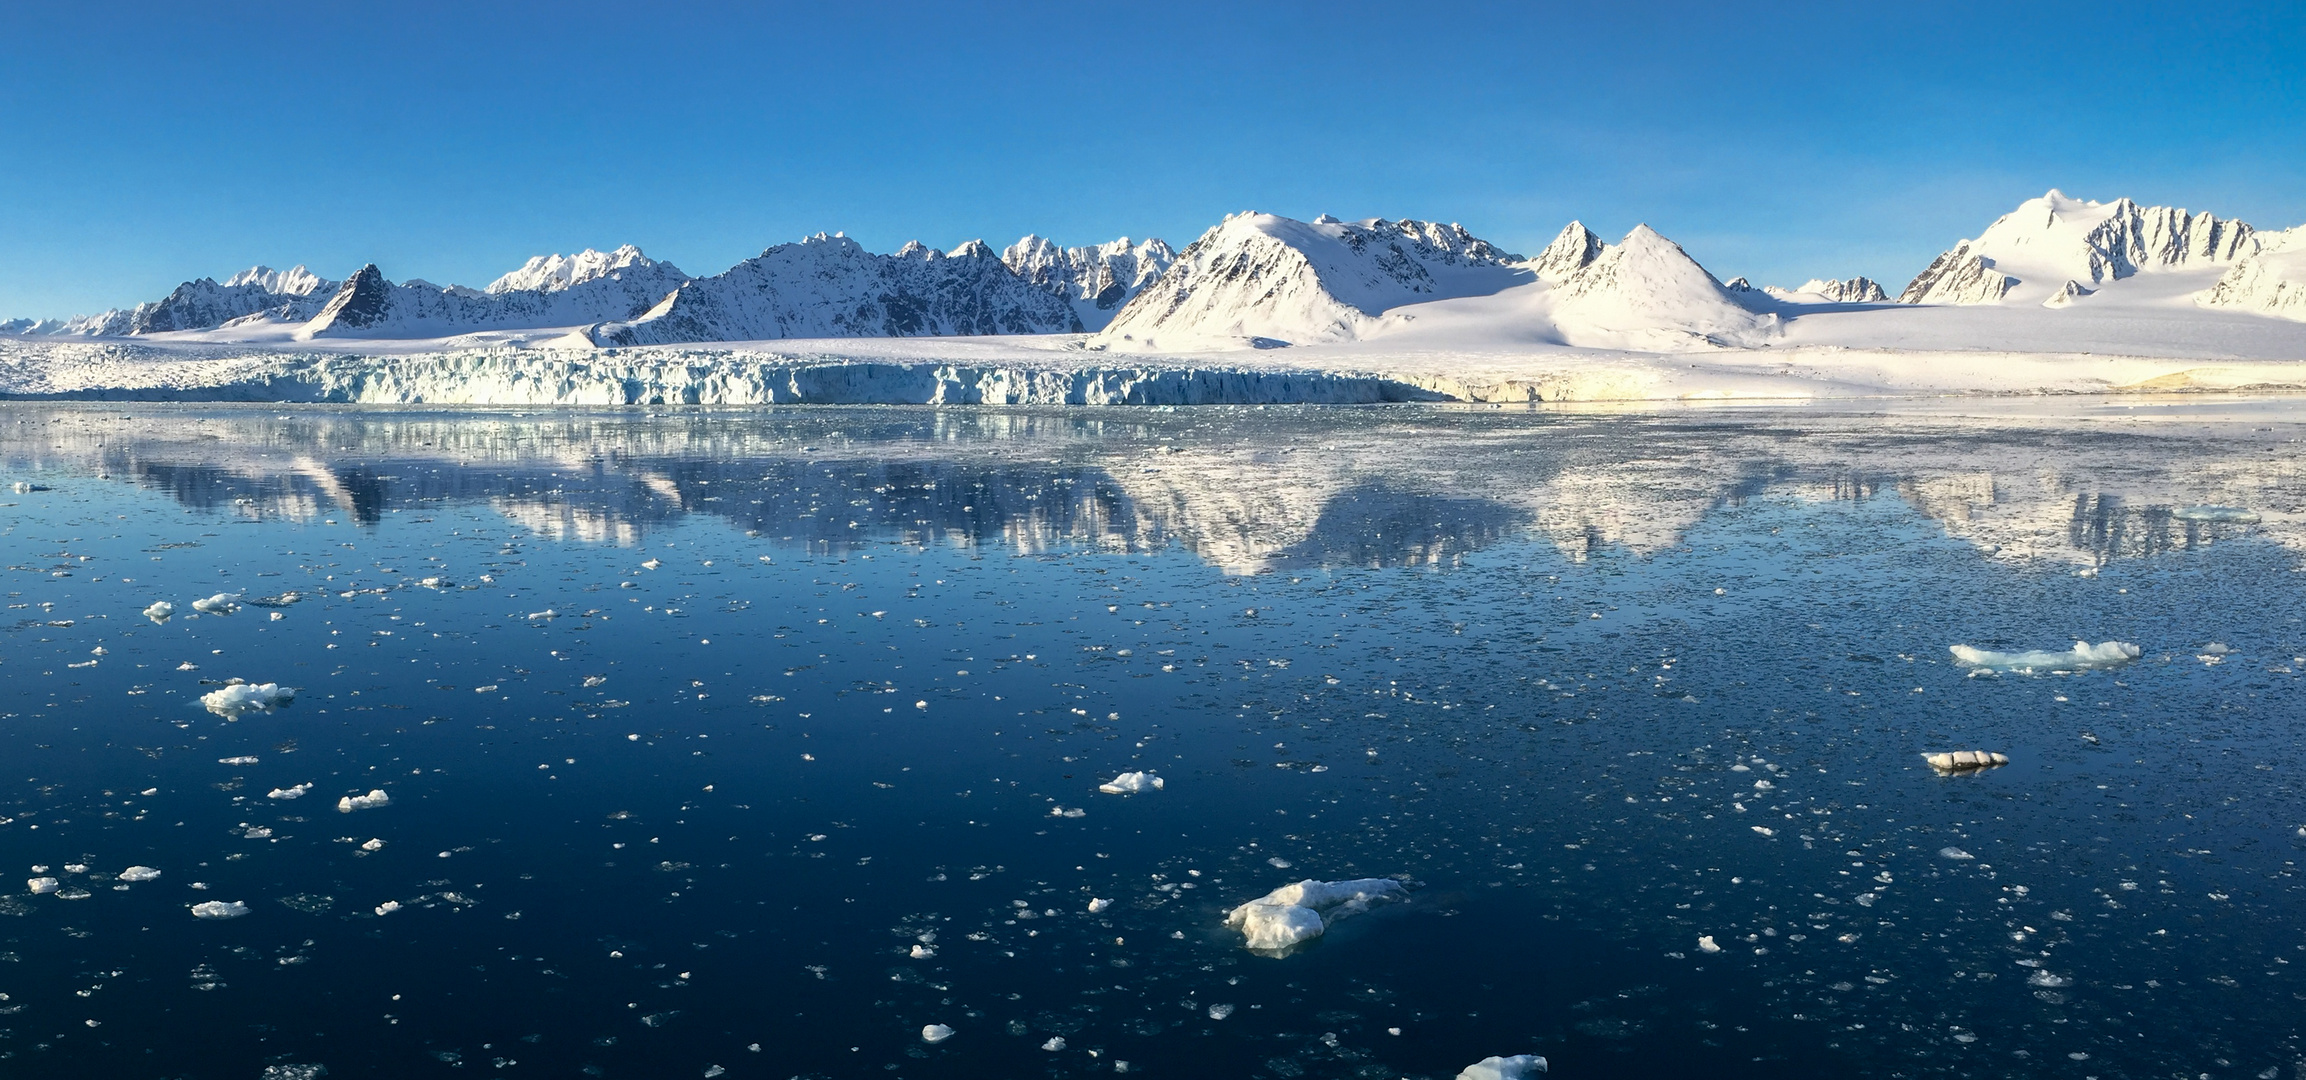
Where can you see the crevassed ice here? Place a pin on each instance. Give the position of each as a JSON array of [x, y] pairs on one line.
[[1131, 783], [1517, 1067], [1301, 912], [2082, 657]]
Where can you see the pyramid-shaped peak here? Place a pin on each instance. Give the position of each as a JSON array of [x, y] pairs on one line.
[[973, 249]]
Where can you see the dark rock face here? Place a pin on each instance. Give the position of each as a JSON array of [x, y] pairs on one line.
[[364, 300]]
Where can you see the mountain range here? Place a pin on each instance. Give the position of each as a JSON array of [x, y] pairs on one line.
[[1254, 280]]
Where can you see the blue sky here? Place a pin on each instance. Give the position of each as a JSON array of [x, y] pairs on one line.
[[144, 144]]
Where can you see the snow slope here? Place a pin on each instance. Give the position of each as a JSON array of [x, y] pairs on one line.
[[2029, 255], [2269, 281], [1098, 280]]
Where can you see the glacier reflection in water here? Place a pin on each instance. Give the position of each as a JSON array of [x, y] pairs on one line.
[[760, 743]]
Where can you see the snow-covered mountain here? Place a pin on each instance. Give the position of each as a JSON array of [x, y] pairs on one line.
[[549, 291], [1857, 290], [1259, 278], [559, 273], [1644, 292], [1097, 280], [830, 286], [2030, 255], [2268, 281]]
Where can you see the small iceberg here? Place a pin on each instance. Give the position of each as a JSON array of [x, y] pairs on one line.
[[247, 697], [296, 792], [160, 611], [1966, 760], [2233, 515], [41, 886], [935, 1033], [1294, 914], [1517, 1067], [139, 873], [219, 604], [219, 909], [370, 801], [1131, 783], [2082, 657]]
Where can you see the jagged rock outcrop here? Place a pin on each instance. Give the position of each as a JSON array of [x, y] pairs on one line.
[[1098, 281], [2032, 251], [2269, 281]]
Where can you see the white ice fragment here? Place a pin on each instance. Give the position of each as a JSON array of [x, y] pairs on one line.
[[1131, 783], [924, 952], [370, 801], [2082, 657], [1965, 760], [245, 697], [245, 759], [1067, 812], [1517, 1067], [1097, 905], [296, 792], [219, 909], [388, 907], [160, 611], [139, 873], [41, 885], [257, 832], [1765, 830], [1301, 912], [935, 1033], [1055, 1043], [219, 604], [1220, 1012], [1705, 943], [2229, 514], [652, 564], [1954, 853], [547, 613], [373, 845]]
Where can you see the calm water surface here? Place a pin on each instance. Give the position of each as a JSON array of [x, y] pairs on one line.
[[750, 743]]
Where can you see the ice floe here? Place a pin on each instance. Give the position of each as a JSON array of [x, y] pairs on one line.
[[1706, 944], [245, 759], [1293, 914], [219, 909], [296, 792], [247, 697], [1517, 1067], [139, 873], [219, 604], [160, 611], [370, 801], [1965, 760], [1098, 905], [1131, 783], [935, 1033], [41, 885], [2082, 657], [388, 907]]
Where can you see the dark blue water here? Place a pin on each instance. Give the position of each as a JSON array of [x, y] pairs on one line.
[[706, 720]]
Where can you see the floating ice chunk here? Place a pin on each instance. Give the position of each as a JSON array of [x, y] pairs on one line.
[[1055, 1043], [651, 564], [219, 604], [1131, 783], [924, 952], [1965, 760], [1705, 943], [1067, 812], [219, 909], [370, 801], [2228, 514], [247, 697], [296, 792], [257, 832], [1517, 1067], [160, 611], [373, 845], [1297, 913], [1765, 830], [41, 886], [245, 759], [1097, 905], [139, 873], [1954, 853], [1220, 1012], [2082, 657], [387, 908], [547, 613], [935, 1033]]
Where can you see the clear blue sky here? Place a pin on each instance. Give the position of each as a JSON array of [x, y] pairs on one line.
[[144, 144]]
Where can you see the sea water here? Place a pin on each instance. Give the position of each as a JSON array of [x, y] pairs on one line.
[[771, 744]]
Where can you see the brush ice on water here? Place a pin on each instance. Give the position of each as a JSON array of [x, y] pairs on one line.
[[2082, 657], [1297, 913], [1517, 1067]]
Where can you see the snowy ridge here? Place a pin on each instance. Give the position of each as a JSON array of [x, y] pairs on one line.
[[1646, 292], [554, 273], [830, 286], [1098, 280], [1263, 279], [2269, 281], [1857, 290], [2030, 253]]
